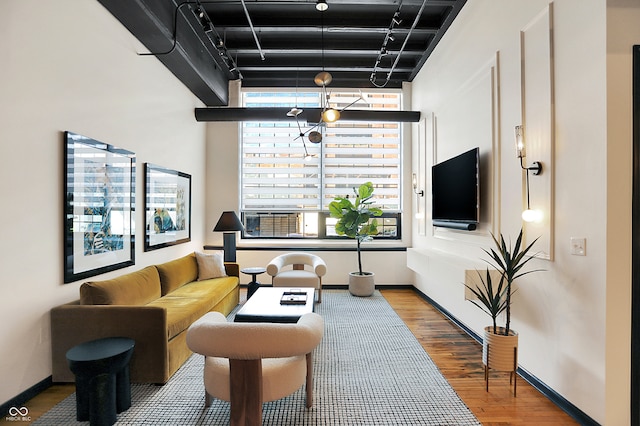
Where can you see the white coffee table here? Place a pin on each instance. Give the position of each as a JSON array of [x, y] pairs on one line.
[[264, 306]]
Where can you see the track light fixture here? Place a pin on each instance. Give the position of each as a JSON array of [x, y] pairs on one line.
[[395, 21], [396, 18], [384, 51], [210, 32], [528, 215]]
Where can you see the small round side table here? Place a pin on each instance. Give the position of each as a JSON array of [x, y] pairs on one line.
[[254, 284], [103, 388]]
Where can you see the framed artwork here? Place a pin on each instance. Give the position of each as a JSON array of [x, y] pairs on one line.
[[167, 207], [99, 188]]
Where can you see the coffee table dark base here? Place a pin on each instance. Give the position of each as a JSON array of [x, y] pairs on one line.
[[103, 386], [251, 288]]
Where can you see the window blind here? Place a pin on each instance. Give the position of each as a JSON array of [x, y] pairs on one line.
[[276, 176]]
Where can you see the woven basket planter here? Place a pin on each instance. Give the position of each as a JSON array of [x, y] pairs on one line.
[[500, 352]]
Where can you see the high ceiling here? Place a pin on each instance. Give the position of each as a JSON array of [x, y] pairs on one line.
[[285, 43]]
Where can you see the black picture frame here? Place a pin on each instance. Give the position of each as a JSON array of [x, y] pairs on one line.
[[99, 206], [635, 241], [167, 208]]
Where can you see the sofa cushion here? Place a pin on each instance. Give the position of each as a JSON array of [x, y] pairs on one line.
[[135, 288], [176, 273], [189, 302], [210, 265]]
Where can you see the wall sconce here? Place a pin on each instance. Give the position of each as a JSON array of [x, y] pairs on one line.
[[529, 215], [229, 224], [414, 182]]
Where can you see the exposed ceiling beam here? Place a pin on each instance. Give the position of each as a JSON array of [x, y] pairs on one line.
[[193, 61], [436, 3], [311, 115]]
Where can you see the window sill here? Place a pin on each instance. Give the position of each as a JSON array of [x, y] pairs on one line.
[[315, 245]]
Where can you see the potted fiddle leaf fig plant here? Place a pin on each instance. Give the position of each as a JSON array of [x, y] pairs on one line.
[[500, 343], [356, 219]]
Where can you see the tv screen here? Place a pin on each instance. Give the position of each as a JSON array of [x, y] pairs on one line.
[[456, 189]]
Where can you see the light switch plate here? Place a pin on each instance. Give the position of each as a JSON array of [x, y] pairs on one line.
[[578, 246]]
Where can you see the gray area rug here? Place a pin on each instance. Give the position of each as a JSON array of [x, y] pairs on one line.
[[369, 370]]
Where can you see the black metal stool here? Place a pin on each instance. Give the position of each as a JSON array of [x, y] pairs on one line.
[[103, 388]]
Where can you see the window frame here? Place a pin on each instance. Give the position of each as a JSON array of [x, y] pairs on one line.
[[395, 179], [322, 227]]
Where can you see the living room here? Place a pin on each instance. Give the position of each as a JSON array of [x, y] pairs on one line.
[[72, 66]]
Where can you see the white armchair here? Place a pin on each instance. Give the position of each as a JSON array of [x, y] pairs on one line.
[[251, 363], [298, 269]]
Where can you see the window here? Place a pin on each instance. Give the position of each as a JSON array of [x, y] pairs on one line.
[[285, 195], [308, 225]]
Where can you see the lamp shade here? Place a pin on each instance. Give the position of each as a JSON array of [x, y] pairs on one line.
[[323, 78], [228, 222]]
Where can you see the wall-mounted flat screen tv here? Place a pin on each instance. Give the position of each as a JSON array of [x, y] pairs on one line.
[[456, 191]]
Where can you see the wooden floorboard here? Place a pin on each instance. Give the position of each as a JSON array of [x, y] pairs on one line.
[[459, 358], [456, 354]]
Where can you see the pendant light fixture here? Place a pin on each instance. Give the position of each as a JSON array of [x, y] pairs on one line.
[[324, 78], [295, 112]]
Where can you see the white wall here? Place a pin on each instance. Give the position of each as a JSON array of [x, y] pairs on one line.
[[69, 65], [561, 314]]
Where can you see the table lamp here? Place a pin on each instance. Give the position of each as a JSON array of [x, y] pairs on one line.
[[229, 224]]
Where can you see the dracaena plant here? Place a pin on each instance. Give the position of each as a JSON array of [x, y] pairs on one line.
[[491, 299], [509, 260], [356, 218]]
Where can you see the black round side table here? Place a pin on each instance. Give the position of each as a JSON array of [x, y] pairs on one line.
[[254, 284], [103, 388]]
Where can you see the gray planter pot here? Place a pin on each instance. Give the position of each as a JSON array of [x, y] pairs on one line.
[[362, 285]]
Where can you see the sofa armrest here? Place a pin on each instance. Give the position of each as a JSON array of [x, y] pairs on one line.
[[232, 269], [73, 323]]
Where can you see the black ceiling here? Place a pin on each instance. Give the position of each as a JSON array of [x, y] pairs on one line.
[[296, 40]]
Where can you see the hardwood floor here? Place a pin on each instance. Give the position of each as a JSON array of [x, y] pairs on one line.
[[458, 356]]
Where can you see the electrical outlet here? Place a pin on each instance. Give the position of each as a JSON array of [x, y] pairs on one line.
[[578, 246]]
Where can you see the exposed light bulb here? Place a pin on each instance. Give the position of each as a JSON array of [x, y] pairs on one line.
[[532, 215], [520, 152], [331, 115]]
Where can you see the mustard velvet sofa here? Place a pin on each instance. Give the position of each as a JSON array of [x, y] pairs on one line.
[[154, 306]]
